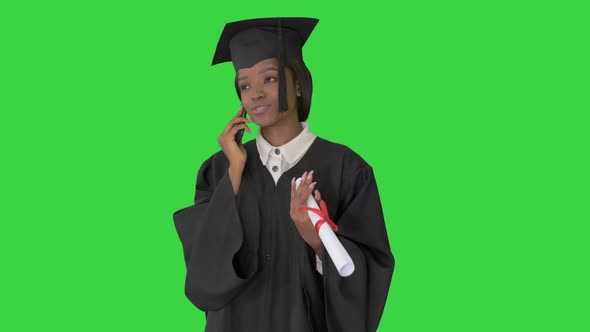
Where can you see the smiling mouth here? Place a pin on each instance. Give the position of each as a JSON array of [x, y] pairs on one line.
[[259, 109]]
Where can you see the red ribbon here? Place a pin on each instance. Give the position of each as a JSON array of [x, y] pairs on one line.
[[323, 213]]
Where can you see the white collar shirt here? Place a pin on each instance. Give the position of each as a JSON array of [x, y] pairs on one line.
[[279, 159]]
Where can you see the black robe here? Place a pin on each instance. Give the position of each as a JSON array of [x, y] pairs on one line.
[[249, 269]]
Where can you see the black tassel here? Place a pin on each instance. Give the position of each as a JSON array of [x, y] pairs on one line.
[[283, 106]]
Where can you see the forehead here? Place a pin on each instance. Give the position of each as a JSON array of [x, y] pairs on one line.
[[272, 62]]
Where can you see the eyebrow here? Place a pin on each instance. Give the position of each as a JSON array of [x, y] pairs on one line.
[[260, 72]]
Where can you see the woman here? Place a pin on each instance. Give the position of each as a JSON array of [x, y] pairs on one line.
[[254, 259]]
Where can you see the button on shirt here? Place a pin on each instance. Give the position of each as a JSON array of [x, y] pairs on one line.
[[279, 159]]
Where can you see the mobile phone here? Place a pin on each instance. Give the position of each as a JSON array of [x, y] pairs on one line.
[[240, 132]]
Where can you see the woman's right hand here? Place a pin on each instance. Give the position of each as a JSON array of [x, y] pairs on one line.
[[236, 154]]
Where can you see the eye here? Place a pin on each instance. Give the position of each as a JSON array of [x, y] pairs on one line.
[[270, 79], [244, 87]]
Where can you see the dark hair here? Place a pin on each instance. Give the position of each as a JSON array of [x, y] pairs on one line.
[[303, 76]]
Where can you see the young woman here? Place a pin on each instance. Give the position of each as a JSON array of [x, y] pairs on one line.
[[254, 260]]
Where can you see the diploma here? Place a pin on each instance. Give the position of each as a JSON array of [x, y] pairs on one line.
[[338, 254]]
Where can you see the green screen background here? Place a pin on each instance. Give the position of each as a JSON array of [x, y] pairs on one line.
[[473, 115]]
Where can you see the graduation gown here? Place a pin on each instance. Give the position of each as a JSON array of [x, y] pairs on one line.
[[249, 269]]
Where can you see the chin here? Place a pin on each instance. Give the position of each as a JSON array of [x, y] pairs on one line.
[[264, 120], [264, 123], [270, 118]]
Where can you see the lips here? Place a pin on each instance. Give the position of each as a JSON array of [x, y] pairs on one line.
[[259, 109]]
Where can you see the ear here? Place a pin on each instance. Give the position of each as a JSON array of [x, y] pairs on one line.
[[298, 88]]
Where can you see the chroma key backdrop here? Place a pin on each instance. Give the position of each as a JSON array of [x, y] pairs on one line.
[[473, 115]]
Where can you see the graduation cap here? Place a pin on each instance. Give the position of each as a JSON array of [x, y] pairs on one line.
[[247, 42]]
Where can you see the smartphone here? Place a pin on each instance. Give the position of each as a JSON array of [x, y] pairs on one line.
[[240, 132]]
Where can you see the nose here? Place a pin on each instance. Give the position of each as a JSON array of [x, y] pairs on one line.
[[259, 92]]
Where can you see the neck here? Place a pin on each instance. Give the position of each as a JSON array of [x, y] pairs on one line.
[[281, 134]]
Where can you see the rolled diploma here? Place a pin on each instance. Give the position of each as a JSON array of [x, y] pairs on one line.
[[338, 254]]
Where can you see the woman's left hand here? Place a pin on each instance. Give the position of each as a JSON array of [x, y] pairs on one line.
[[300, 218]]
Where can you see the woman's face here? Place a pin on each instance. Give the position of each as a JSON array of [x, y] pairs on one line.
[[259, 92]]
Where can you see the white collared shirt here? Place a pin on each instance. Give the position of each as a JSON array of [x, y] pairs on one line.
[[279, 159]]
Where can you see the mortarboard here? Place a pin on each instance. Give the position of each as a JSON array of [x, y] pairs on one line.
[[248, 42]]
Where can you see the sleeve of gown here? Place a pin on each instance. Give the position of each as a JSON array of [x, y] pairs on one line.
[[211, 236], [356, 303]]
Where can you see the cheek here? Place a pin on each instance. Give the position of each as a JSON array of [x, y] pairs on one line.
[[244, 97]]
